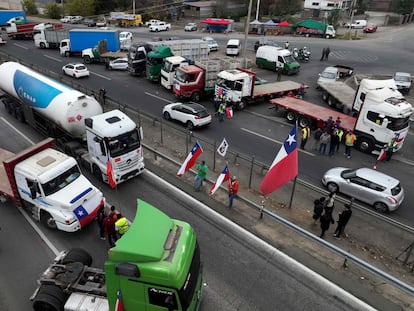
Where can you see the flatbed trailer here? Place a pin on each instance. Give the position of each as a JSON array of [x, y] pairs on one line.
[[310, 114], [5, 187], [275, 88], [23, 31], [338, 95]]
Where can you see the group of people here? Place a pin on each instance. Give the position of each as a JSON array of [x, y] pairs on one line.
[[325, 53], [233, 185], [331, 134], [323, 211], [112, 225]]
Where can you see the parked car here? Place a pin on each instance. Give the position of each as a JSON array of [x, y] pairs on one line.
[[101, 22], [403, 82], [76, 19], [370, 28], [260, 43], [76, 70], [190, 27], [191, 114], [211, 43], [118, 64], [89, 22], [66, 19], [370, 186]]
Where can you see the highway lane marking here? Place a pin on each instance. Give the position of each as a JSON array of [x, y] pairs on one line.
[[274, 140], [158, 97], [101, 76], [21, 210], [21, 46], [53, 58]]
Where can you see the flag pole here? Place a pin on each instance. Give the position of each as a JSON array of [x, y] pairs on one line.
[[293, 190]]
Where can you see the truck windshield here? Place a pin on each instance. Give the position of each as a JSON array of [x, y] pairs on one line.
[[328, 75], [181, 75], [186, 293], [124, 143], [167, 66], [397, 124], [289, 59], [155, 60], [225, 83], [61, 181]]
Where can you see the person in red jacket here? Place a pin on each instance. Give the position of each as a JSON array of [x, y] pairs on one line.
[[233, 189], [109, 227]]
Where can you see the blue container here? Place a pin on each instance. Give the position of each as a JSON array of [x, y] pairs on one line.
[[6, 15], [81, 39]]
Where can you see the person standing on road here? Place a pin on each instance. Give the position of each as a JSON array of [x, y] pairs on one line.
[[327, 52], [318, 208], [121, 225], [316, 137], [324, 140], [99, 219], [233, 190], [390, 148], [109, 227], [334, 143], [279, 72], [287, 45], [326, 220], [201, 175], [350, 139], [340, 133], [221, 110], [305, 132], [344, 217], [323, 54], [330, 202]]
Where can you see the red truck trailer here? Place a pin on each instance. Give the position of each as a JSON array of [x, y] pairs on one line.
[[27, 31]]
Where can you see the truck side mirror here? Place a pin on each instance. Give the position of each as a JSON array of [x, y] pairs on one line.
[[385, 123]]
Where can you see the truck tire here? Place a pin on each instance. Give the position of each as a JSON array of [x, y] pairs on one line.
[[20, 115], [291, 116], [48, 221], [325, 96], [195, 97], [331, 102], [365, 144], [49, 298], [87, 59], [97, 172], [78, 255], [328, 36], [304, 122], [241, 105], [42, 45]]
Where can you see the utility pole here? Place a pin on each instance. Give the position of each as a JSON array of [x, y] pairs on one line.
[[133, 7], [352, 19], [257, 10], [246, 33]]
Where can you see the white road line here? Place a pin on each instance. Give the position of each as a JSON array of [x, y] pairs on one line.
[[160, 98], [21, 46], [101, 76], [17, 131], [22, 211], [274, 140], [53, 58]]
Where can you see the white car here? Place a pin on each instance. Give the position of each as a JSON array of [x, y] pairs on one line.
[[118, 64], [191, 114], [190, 27], [66, 19], [76, 70], [211, 43]]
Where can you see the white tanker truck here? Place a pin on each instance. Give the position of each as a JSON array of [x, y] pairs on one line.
[[75, 120]]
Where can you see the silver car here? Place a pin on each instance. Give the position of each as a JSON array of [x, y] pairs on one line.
[[118, 64], [381, 191]]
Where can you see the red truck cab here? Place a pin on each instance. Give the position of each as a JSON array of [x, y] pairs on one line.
[[189, 82]]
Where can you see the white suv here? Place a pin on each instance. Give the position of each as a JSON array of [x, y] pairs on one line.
[[211, 43]]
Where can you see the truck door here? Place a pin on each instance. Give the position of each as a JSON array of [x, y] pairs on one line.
[[161, 298]]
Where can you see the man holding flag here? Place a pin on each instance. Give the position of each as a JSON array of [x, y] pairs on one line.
[[233, 190], [284, 167]]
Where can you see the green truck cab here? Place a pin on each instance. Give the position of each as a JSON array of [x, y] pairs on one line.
[[155, 266], [155, 60]]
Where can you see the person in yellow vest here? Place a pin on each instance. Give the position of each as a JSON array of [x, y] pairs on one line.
[[121, 225], [350, 139], [340, 133], [305, 136], [390, 148]]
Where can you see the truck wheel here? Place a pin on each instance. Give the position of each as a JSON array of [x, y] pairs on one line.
[[331, 102], [307, 35], [48, 221], [304, 122], [365, 144], [20, 116], [87, 59], [241, 105], [327, 36], [67, 54], [291, 116], [42, 45], [77, 255], [325, 96], [97, 172], [195, 97], [49, 298]]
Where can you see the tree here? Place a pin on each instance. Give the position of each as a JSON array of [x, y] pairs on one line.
[[52, 10], [285, 7], [403, 6], [79, 7], [30, 7]]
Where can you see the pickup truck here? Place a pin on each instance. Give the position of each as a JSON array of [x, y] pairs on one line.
[[160, 26], [334, 73], [151, 21]]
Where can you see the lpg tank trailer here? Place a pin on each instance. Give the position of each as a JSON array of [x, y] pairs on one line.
[[75, 120]]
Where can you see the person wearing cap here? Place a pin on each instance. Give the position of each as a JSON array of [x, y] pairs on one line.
[[233, 189]]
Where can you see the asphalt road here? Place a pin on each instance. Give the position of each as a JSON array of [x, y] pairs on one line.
[[240, 271]]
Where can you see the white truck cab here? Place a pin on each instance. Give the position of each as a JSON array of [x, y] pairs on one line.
[[52, 185], [169, 66], [125, 40]]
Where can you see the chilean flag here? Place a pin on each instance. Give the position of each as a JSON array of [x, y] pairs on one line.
[[191, 159], [284, 167], [224, 176], [110, 173], [382, 155], [119, 305]]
